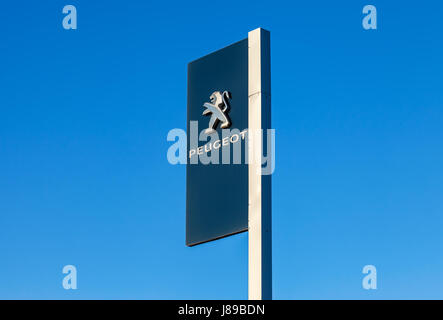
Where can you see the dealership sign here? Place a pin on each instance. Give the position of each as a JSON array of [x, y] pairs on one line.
[[229, 148]]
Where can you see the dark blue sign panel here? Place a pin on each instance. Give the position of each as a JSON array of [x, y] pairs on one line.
[[217, 193]]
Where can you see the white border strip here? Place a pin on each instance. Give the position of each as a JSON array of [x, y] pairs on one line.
[[257, 258]]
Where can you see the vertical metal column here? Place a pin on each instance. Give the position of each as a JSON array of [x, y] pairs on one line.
[[260, 208]]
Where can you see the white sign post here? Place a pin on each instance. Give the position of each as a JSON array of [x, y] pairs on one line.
[[260, 208]]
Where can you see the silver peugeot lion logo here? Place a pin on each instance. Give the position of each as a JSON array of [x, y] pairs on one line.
[[218, 109]]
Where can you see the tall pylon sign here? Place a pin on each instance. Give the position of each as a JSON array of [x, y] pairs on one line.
[[230, 156]]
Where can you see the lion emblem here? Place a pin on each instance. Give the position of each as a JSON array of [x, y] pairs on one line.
[[218, 109]]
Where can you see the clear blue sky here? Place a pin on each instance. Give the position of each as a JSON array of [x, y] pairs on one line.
[[84, 178]]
